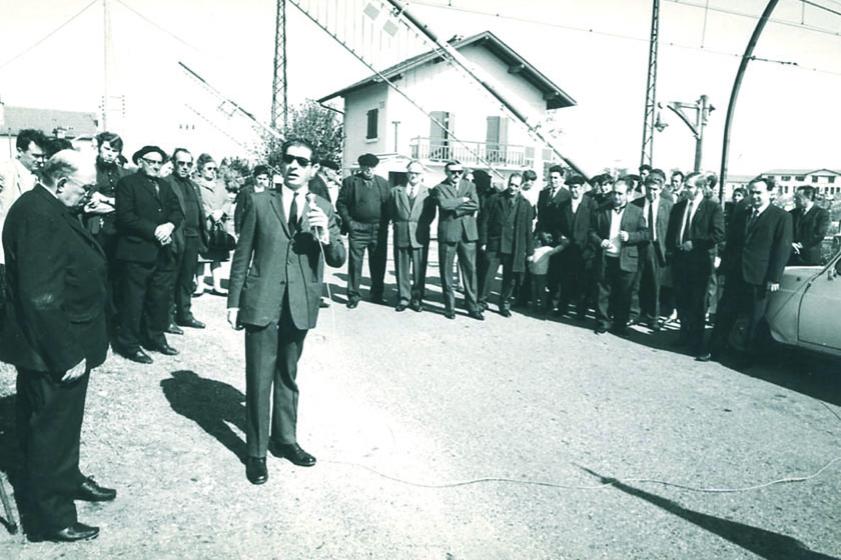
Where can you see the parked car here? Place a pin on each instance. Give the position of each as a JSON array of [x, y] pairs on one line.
[[806, 311]]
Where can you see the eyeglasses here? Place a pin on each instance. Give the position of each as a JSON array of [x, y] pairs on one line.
[[184, 163], [156, 162], [302, 161]]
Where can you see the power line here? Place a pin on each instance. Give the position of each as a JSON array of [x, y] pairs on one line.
[[47, 36], [830, 10], [159, 27]]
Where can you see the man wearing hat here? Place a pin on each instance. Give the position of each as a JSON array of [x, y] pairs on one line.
[[147, 214], [363, 207]]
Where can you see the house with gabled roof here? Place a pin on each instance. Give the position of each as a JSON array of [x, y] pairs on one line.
[[825, 181], [478, 133], [54, 123]]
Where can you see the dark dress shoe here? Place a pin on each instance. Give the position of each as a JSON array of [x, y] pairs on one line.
[[138, 356], [400, 307], [293, 453], [601, 329], [415, 306], [173, 329], [705, 357], [505, 312], [191, 322], [255, 470], [90, 491], [450, 314], [352, 303], [76, 532], [164, 348], [476, 315]]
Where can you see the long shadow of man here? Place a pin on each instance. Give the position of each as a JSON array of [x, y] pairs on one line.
[[765, 544], [11, 458], [210, 404]]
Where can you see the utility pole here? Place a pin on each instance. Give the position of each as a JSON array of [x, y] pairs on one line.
[[280, 111], [702, 109], [650, 115], [106, 26]]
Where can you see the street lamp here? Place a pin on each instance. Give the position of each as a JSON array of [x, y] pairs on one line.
[[702, 109]]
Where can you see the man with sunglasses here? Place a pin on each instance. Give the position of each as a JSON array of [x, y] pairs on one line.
[[54, 332], [457, 204], [147, 215], [190, 238], [363, 206], [286, 239]]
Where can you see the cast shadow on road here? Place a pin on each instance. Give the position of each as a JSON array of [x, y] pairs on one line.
[[209, 403], [11, 458], [763, 543]]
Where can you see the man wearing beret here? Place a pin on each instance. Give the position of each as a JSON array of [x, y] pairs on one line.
[[147, 214], [363, 207]]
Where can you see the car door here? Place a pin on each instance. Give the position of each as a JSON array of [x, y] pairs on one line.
[[819, 321]]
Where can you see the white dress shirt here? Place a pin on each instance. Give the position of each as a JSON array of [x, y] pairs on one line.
[[615, 228]]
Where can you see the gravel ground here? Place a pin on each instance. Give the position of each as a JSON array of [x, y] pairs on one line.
[[457, 440]]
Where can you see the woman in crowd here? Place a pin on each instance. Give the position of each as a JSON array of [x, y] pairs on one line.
[[218, 209]]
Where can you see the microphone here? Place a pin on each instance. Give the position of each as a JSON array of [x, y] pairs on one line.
[[311, 201]]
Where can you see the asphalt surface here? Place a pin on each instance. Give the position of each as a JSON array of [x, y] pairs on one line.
[[461, 439]]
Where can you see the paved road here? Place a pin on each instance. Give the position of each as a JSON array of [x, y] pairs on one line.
[[457, 440]]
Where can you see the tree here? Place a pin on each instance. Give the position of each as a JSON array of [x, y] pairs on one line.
[[315, 123]]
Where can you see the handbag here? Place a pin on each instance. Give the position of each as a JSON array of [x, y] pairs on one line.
[[220, 240]]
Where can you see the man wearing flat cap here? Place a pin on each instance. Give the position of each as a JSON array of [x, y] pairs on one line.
[[363, 207], [147, 214]]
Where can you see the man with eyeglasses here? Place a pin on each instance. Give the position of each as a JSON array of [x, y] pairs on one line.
[[457, 204], [363, 206], [147, 215], [54, 332], [755, 254], [190, 238], [286, 240]]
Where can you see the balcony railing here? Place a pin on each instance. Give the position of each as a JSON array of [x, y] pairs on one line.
[[472, 153]]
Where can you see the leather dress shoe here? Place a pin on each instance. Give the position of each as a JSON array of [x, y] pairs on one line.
[[90, 491], [255, 470], [76, 532], [293, 453], [601, 329], [400, 307], [477, 315], [352, 303], [705, 357], [138, 355], [505, 312], [191, 322], [415, 306], [173, 329], [164, 348]]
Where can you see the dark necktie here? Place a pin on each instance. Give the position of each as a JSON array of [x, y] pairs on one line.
[[293, 214], [753, 216], [687, 221], [651, 225]]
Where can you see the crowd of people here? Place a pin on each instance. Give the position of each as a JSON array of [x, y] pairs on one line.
[[98, 254]]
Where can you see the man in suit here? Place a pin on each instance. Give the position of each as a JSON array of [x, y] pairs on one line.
[[363, 207], [617, 230], [810, 223], [457, 204], [276, 280], [755, 255], [576, 259], [189, 238], [696, 227], [147, 215], [54, 332], [412, 212], [655, 211], [549, 220], [505, 236]]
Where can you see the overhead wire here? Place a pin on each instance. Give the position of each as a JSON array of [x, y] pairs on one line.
[[830, 10], [47, 36]]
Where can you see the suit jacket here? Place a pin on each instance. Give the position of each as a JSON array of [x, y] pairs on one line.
[[576, 227], [318, 187], [107, 177], [493, 223], [550, 211], [660, 229], [347, 201], [15, 180], [140, 210], [56, 283], [411, 220], [456, 218], [272, 267], [178, 235], [706, 230], [759, 251], [810, 231], [632, 222]]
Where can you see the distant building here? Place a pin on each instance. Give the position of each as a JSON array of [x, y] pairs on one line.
[[379, 120], [825, 181], [59, 124]]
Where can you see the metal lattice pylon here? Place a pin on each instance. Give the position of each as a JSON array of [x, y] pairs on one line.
[[650, 116]]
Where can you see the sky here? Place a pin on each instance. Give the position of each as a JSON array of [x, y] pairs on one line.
[[595, 50]]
